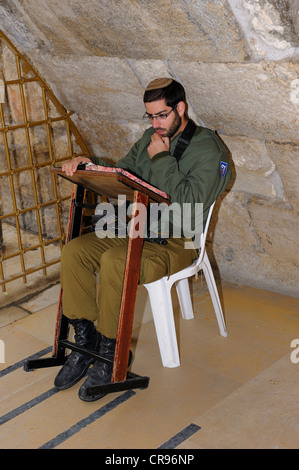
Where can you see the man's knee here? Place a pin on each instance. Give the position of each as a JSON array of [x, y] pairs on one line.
[[113, 261], [69, 249]]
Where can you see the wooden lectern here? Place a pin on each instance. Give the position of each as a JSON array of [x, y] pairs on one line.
[[110, 183]]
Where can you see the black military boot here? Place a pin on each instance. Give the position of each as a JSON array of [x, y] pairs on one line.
[[100, 373], [76, 365]]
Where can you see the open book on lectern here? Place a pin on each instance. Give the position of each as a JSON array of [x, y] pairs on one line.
[[111, 182]]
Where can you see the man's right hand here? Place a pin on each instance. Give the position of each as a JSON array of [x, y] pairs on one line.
[[158, 144], [71, 166]]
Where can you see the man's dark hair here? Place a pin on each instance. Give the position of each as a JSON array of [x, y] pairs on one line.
[[172, 93]]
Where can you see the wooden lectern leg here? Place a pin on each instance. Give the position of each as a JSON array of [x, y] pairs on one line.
[[130, 285]]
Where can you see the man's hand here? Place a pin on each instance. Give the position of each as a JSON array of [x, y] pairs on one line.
[[71, 166], [158, 144]]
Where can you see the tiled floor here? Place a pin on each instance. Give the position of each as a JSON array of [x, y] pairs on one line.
[[229, 393]]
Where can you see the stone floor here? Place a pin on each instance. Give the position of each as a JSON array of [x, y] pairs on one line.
[[229, 393]]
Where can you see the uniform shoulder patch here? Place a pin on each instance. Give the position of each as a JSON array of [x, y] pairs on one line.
[[223, 168]]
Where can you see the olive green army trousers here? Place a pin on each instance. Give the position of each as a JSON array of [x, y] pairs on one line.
[[88, 259]]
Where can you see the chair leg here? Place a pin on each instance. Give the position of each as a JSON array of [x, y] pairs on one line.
[[161, 304], [207, 269], [183, 292]]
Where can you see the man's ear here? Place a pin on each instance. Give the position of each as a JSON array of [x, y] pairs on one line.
[[181, 107]]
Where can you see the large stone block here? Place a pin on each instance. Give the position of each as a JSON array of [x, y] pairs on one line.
[[256, 242], [234, 242], [277, 228], [286, 158], [255, 100], [107, 138], [100, 86], [149, 29], [252, 166]]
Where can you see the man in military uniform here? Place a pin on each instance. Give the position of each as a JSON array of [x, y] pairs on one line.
[[200, 175]]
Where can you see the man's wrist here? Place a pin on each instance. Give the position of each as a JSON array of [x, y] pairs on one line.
[[159, 155]]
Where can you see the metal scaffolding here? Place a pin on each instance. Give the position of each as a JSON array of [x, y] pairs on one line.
[[28, 111]]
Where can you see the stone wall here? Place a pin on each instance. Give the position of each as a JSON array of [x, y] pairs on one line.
[[238, 60]]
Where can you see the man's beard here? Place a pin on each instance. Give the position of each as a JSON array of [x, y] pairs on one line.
[[175, 125]]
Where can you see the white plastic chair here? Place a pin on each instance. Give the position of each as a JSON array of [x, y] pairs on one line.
[[161, 301]]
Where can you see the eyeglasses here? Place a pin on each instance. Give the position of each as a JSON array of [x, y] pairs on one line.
[[162, 116]]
